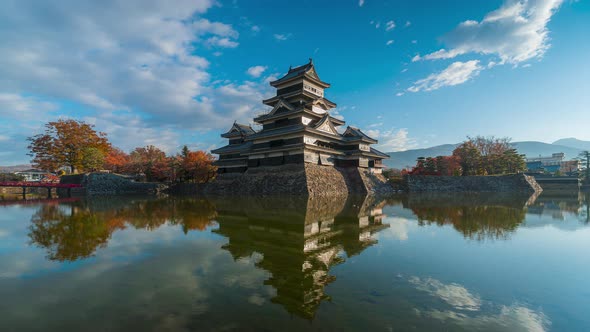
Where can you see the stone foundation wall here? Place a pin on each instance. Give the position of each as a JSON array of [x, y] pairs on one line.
[[327, 181], [293, 179], [266, 180], [506, 183], [110, 184]]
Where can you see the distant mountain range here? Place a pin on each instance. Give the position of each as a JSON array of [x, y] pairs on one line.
[[16, 168], [570, 146]]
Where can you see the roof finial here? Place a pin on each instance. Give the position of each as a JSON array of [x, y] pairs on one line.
[[290, 67], [310, 61]]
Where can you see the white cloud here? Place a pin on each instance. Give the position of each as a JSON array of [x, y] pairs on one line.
[[392, 140], [256, 71], [516, 32], [398, 228], [13, 105], [221, 42], [389, 42], [399, 94], [466, 310], [509, 318], [138, 66], [455, 295], [255, 28], [456, 73], [361, 3], [408, 23], [204, 26], [389, 26], [282, 37], [256, 299], [128, 55]]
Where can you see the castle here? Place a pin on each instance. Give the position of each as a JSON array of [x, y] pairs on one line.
[[298, 130]]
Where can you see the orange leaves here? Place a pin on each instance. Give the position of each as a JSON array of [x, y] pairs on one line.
[[75, 144], [116, 160], [196, 166], [65, 143]]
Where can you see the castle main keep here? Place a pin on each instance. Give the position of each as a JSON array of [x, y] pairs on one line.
[[298, 129]]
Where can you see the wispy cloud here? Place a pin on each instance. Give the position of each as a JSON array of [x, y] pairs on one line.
[[457, 73], [256, 71], [361, 3], [393, 140], [389, 42], [455, 295], [516, 32], [389, 26], [281, 36]]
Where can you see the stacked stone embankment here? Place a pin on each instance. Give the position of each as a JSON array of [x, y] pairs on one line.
[[506, 183], [296, 179], [111, 184]]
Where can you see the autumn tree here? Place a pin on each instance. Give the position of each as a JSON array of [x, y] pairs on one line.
[[152, 162], [116, 160], [440, 165], [196, 166], [70, 143], [489, 156]]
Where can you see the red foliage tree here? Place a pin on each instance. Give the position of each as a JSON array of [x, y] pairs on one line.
[[196, 166], [116, 160]]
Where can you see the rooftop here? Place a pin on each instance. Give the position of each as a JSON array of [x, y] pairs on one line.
[[240, 130], [307, 70]]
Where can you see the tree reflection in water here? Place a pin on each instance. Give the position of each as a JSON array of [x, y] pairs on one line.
[[73, 231], [299, 240], [586, 212], [476, 216], [70, 234]]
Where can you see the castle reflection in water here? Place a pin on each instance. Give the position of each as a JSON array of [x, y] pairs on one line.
[[299, 245], [298, 240]]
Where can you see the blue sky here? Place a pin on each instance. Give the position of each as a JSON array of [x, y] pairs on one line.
[[411, 73]]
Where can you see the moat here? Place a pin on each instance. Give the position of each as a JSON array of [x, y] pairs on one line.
[[485, 262]]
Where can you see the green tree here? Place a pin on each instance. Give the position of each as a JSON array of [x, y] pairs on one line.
[[92, 159], [469, 158]]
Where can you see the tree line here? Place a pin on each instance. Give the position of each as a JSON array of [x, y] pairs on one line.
[[78, 146], [476, 156]]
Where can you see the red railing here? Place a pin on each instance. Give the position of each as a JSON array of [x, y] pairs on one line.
[[39, 201], [39, 184]]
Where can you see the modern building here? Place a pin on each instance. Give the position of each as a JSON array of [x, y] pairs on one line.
[[298, 129], [552, 164], [32, 175]]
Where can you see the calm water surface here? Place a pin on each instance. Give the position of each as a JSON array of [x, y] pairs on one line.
[[408, 263]]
